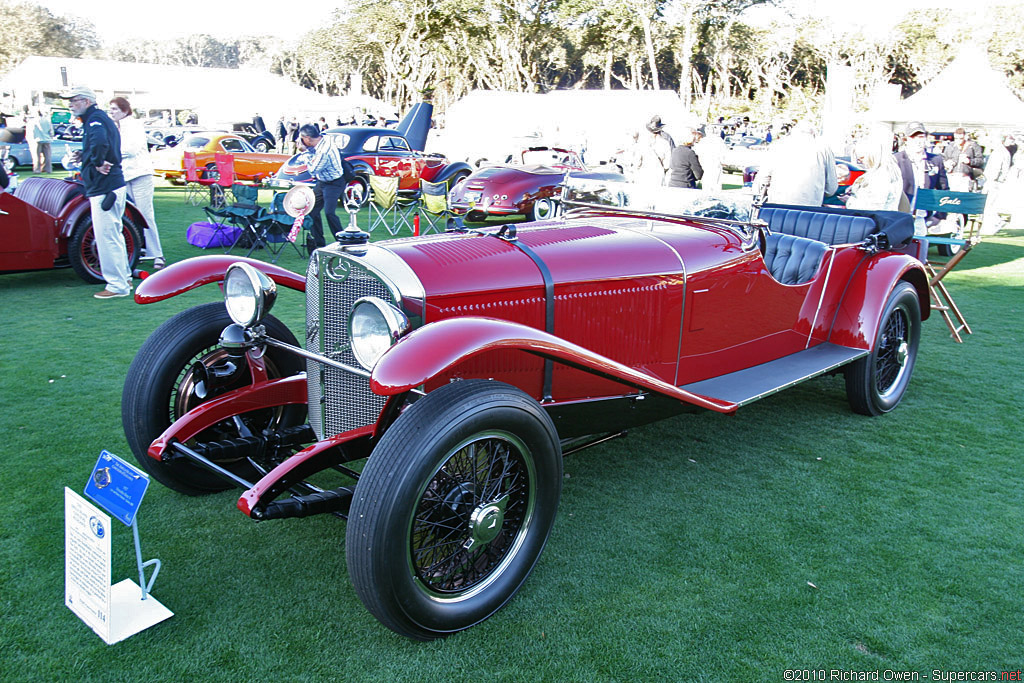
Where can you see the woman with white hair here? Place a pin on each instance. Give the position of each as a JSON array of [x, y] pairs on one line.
[[881, 186]]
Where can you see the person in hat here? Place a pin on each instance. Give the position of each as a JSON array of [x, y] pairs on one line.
[[654, 154], [105, 187], [921, 168], [332, 173]]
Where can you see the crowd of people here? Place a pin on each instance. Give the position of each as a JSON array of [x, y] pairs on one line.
[[797, 168]]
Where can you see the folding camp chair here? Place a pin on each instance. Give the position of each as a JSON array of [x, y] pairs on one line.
[[388, 207], [243, 213], [970, 205], [434, 204], [223, 180], [271, 229], [195, 182]]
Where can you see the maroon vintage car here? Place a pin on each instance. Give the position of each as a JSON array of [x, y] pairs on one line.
[[442, 378], [529, 188], [46, 223]]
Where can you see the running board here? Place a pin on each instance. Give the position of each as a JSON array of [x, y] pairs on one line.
[[746, 386]]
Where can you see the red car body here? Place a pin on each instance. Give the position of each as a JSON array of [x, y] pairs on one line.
[[46, 223], [505, 348], [529, 188]]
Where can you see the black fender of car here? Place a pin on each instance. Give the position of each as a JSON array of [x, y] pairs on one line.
[[451, 170], [361, 167], [877, 276], [180, 277], [436, 348]]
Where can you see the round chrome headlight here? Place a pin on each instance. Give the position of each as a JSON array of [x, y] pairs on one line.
[[373, 326], [248, 294]]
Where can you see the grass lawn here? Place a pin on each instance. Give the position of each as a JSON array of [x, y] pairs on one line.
[[686, 551]]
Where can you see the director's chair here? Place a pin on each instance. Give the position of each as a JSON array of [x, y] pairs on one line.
[[971, 206]]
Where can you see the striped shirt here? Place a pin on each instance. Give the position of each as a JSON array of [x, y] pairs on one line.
[[325, 164]]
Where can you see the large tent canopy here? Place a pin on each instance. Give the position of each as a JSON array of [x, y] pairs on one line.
[[968, 93], [216, 95]]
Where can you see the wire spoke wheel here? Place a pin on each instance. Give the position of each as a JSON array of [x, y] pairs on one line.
[[453, 508], [876, 383], [472, 514], [892, 353]]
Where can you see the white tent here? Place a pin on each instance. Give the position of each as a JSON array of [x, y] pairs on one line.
[[217, 95], [968, 93]]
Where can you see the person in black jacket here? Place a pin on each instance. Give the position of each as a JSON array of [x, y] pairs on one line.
[[105, 187], [684, 168]]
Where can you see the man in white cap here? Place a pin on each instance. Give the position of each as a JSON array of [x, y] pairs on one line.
[[105, 187]]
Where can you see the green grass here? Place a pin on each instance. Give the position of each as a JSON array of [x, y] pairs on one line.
[[685, 551]]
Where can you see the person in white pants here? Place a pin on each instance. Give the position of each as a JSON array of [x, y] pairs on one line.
[[104, 186], [138, 173]]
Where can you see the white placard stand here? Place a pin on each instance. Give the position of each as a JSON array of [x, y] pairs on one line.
[[113, 612]]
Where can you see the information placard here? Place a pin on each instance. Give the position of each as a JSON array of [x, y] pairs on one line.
[[87, 562], [117, 487], [113, 612]]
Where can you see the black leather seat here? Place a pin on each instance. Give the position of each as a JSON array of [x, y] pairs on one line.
[[793, 260], [829, 228]]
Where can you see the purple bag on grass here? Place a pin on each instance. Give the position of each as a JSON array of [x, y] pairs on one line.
[[207, 235]]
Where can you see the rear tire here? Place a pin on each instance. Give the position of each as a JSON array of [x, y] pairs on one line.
[[875, 384], [84, 256]]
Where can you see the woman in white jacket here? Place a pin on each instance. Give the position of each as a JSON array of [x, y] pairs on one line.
[[138, 173]]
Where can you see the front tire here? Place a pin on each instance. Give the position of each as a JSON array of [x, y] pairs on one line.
[[875, 384], [161, 386], [454, 508], [84, 256]]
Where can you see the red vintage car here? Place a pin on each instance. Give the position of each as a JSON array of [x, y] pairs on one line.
[[529, 188], [442, 378], [46, 223]]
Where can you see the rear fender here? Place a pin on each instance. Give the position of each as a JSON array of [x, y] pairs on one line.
[[857, 318], [451, 170], [78, 206], [438, 347], [201, 270], [361, 168]]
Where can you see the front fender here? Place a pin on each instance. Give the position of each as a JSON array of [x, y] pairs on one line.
[[857, 318], [201, 270], [438, 347]]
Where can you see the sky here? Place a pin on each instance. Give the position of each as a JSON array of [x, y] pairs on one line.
[[219, 18], [231, 18]]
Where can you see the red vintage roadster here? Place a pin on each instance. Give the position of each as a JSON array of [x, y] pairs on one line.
[[46, 223], [529, 188], [442, 378]]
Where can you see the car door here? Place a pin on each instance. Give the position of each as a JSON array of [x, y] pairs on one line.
[[394, 155]]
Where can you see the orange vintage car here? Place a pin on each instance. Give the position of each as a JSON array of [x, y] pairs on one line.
[[249, 164]]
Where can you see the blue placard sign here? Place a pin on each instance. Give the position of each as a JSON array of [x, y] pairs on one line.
[[117, 487]]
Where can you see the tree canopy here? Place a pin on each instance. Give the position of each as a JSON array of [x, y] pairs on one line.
[[713, 52]]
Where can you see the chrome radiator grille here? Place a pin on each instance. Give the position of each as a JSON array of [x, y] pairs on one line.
[[338, 400]]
